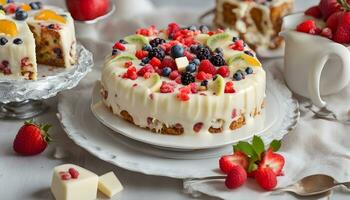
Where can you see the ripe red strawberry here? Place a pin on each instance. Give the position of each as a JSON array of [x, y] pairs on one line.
[[328, 7], [308, 26], [236, 178], [333, 21], [223, 71], [342, 34], [266, 178], [327, 32], [274, 161], [314, 12], [227, 163], [207, 67], [31, 139]]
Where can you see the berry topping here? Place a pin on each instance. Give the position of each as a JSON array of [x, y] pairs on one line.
[[217, 60], [207, 67], [155, 62], [66, 176], [167, 87], [229, 88], [141, 54], [168, 62], [249, 70], [191, 68], [307, 26], [223, 71], [18, 41], [119, 46], [187, 78], [204, 29], [177, 51], [156, 41], [173, 75], [3, 41], [21, 15], [236, 177], [197, 127], [237, 45], [203, 76], [147, 47], [145, 69], [74, 173], [314, 12], [204, 83], [203, 53], [166, 71], [130, 73], [238, 76], [156, 52], [147, 32], [228, 162], [266, 178]]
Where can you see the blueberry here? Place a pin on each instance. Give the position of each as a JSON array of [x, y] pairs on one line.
[[146, 47], [34, 6], [114, 52], [196, 61], [10, 1], [3, 41], [249, 53], [21, 15], [204, 83], [192, 28], [237, 76], [204, 29], [234, 39], [51, 26], [177, 51], [123, 41], [145, 60], [191, 68], [249, 70], [166, 71], [18, 41]]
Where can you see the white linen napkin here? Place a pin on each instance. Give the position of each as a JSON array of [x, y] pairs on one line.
[[315, 146]]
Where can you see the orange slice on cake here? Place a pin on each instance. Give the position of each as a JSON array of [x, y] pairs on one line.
[[3, 2], [26, 7], [8, 27], [49, 15]]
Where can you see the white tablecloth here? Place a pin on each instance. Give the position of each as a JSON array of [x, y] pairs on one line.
[[29, 177]]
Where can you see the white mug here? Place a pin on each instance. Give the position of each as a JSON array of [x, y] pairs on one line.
[[313, 65]]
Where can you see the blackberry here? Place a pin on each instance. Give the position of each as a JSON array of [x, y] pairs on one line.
[[219, 51], [217, 60], [122, 41], [187, 78], [203, 53], [156, 52], [204, 83], [156, 41]]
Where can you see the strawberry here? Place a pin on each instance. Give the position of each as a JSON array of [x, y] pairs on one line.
[[342, 34], [266, 178], [274, 161], [314, 12], [31, 139], [328, 7], [227, 163], [327, 32], [207, 67], [308, 26], [236, 178], [333, 21]]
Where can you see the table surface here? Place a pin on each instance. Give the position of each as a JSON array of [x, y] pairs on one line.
[[29, 177]]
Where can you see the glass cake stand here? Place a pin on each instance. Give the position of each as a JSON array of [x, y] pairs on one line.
[[23, 99]]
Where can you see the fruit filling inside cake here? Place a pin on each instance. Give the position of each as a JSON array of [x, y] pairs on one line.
[[184, 80]]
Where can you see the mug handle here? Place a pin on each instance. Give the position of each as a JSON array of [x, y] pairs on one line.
[[343, 54]]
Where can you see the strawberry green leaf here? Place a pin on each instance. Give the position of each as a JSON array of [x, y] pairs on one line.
[[258, 145], [246, 148], [46, 127], [252, 165], [275, 145]]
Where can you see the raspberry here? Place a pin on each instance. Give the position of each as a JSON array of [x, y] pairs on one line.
[[141, 54], [266, 178], [147, 32], [173, 75], [197, 127], [168, 62], [186, 90], [147, 75], [173, 27], [119, 46], [66, 176], [167, 87], [307, 26], [207, 67], [155, 62], [156, 41], [128, 64], [131, 73], [178, 79], [201, 76], [193, 87], [223, 71], [236, 177], [217, 60], [183, 96], [187, 78], [74, 173], [327, 32], [314, 12], [147, 68], [189, 56], [229, 88], [238, 45]]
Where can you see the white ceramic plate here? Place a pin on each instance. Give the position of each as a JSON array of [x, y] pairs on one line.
[[83, 128], [271, 120]]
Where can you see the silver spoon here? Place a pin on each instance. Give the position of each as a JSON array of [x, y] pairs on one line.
[[312, 185]]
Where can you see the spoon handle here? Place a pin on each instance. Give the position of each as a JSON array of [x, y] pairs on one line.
[[346, 184]]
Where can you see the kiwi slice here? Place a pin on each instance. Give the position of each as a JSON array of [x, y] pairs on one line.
[[218, 40], [138, 40], [123, 57], [218, 85], [154, 82]]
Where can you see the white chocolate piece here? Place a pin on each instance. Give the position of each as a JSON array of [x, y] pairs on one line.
[[181, 63], [83, 187], [109, 184]]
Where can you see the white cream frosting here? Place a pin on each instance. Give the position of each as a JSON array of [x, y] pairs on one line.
[[212, 110]]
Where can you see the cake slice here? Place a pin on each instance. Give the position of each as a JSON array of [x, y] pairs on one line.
[[17, 50], [54, 37], [258, 22]]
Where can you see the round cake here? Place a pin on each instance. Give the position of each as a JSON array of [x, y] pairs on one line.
[[184, 80]]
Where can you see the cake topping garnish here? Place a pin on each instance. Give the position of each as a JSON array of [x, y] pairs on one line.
[[49, 15], [21, 15], [3, 41], [8, 27]]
